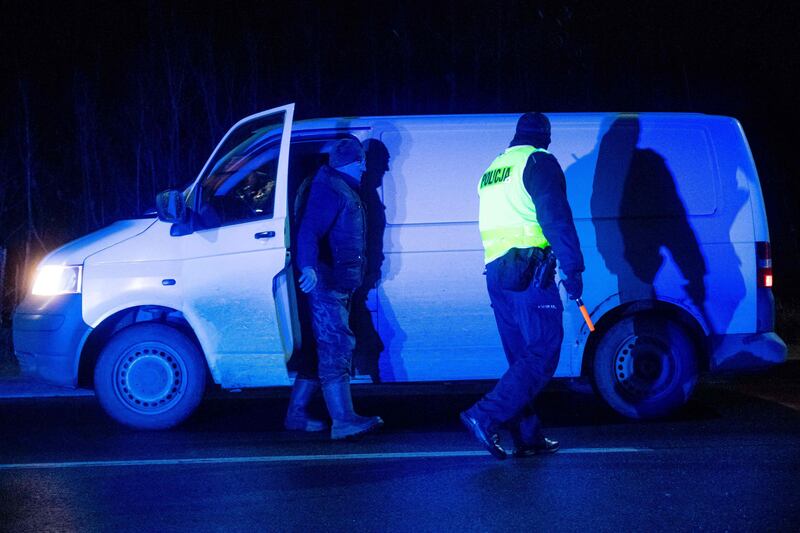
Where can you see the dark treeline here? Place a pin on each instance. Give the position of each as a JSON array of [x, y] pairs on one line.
[[107, 103]]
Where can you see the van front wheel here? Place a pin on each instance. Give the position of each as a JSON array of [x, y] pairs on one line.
[[645, 367], [150, 376]]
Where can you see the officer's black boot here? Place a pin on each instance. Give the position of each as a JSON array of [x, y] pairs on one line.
[[346, 423], [485, 436], [296, 415], [543, 445], [530, 446]]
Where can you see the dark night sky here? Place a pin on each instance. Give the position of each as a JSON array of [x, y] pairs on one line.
[[126, 98]]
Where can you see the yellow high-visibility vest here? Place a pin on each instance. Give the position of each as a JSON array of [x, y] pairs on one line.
[[507, 216]]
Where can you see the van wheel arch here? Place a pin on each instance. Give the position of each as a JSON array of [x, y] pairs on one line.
[[646, 307], [102, 334], [660, 321]]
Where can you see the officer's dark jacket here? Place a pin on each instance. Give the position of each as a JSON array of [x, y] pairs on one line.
[[332, 236], [545, 182]]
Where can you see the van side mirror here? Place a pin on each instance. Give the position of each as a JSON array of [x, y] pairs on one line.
[[171, 206]]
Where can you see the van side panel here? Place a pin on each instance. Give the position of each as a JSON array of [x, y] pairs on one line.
[[435, 319], [434, 313]]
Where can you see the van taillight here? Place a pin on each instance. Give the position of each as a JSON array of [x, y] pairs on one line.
[[764, 264]]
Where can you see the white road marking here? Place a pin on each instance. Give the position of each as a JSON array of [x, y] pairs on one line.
[[291, 458]]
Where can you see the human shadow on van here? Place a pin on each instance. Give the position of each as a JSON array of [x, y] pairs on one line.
[[659, 240], [368, 342], [637, 212], [645, 364], [394, 188]]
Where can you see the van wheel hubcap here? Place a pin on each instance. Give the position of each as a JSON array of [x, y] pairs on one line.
[[150, 378], [643, 367]]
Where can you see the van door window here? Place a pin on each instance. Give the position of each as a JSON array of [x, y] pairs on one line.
[[240, 186]]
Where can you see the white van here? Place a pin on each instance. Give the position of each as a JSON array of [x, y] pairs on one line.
[[668, 208]]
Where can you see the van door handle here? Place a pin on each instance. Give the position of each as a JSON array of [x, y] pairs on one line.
[[264, 235]]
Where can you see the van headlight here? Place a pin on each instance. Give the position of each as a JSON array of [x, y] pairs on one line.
[[57, 279]]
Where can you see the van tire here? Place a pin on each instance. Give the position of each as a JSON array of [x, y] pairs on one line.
[[150, 376], [645, 366]]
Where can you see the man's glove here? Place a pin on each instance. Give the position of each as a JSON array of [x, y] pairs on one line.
[[573, 283]]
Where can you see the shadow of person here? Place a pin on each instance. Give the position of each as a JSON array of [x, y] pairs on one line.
[[642, 231], [368, 342], [639, 216], [398, 145]]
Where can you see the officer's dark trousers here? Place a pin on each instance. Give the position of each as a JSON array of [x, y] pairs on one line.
[[330, 311], [530, 327]]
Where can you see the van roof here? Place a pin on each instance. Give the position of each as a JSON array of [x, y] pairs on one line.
[[498, 119]]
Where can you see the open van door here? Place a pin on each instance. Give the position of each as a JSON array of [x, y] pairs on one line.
[[235, 269]]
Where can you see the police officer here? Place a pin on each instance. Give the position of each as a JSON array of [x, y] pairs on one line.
[[331, 248], [524, 215]]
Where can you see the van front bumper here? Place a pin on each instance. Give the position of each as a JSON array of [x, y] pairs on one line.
[[49, 333], [747, 351]]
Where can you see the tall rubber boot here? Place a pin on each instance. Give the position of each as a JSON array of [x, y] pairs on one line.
[[346, 423], [297, 418]]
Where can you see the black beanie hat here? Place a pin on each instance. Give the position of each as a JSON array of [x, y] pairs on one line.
[[344, 152], [533, 129], [533, 124]]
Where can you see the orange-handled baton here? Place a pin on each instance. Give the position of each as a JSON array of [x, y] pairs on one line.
[[585, 314]]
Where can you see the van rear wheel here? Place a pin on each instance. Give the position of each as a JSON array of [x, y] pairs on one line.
[[150, 376], [645, 367]]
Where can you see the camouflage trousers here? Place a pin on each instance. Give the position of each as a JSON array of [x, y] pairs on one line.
[[330, 312]]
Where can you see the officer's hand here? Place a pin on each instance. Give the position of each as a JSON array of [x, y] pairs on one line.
[[308, 279], [573, 283]]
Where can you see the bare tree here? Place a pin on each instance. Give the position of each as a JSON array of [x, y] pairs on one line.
[[207, 83], [28, 167], [2, 281], [175, 63], [86, 127]]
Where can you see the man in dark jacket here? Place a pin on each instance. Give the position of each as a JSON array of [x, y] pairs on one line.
[[331, 250], [524, 216]]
